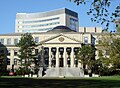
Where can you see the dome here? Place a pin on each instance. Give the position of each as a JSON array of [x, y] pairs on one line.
[[60, 29]]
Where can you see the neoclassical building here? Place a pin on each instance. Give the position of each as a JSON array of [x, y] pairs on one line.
[[59, 43]]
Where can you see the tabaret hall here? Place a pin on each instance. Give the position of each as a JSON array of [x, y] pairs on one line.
[[59, 44]]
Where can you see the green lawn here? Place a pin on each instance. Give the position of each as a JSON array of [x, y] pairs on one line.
[[101, 82]]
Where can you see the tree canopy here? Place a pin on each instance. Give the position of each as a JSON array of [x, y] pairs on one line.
[[109, 51], [26, 45], [86, 56], [100, 10], [3, 57]]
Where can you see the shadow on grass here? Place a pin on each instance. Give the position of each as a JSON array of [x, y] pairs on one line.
[[58, 83]]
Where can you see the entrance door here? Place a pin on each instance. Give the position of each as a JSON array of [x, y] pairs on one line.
[[60, 62]]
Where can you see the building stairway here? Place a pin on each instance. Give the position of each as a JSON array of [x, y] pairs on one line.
[[64, 72]]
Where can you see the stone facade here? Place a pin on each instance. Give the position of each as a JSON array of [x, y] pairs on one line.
[[61, 46]]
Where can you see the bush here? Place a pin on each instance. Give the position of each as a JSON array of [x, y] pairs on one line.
[[22, 71], [4, 73]]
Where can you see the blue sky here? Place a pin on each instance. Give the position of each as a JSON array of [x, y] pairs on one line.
[[9, 8]]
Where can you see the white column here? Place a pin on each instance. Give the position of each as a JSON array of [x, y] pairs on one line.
[[12, 58], [57, 57], [50, 57], [64, 57], [72, 57]]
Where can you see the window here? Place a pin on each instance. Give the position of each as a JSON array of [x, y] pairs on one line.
[[15, 41], [8, 53], [46, 62], [36, 51], [73, 23], [85, 39], [53, 49], [36, 30], [68, 61], [76, 49], [9, 41], [84, 29], [76, 62], [8, 61], [19, 26], [2, 41], [46, 56], [93, 40], [35, 21], [36, 39], [15, 52], [19, 22], [40, 25], [15, 61]]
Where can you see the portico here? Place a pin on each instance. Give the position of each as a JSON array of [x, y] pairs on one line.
[[60, 60], [61, 56], [60, 51]]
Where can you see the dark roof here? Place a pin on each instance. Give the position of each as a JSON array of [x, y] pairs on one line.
[[60, 29]]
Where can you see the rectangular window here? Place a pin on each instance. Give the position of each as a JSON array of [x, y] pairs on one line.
[[73, 23], [2, 40], [36, 51], [84, 29], [9, 41], [93, 40], [15, 41], [15, 61], [40, 25], [36, 39], [35, 21], [19, 26], [85, 39], [15, 52], [8, 61], [20, 22], [8, 53]]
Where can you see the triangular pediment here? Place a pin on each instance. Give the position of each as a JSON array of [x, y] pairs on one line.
[[60, 39]]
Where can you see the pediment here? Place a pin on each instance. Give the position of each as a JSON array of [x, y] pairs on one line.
[[61, 39]]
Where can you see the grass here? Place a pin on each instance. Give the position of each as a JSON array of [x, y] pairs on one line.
[[101, 82]]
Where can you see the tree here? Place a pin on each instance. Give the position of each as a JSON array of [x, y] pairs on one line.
[[86, 56], [100, 11], [102, 64], [110, 42], [26, 45], [3, 58], [115, 51], [118, 25]]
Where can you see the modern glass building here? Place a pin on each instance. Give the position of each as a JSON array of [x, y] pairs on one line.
[[44, 21]]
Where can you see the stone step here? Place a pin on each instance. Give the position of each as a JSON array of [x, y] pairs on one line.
[[64, 72]]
